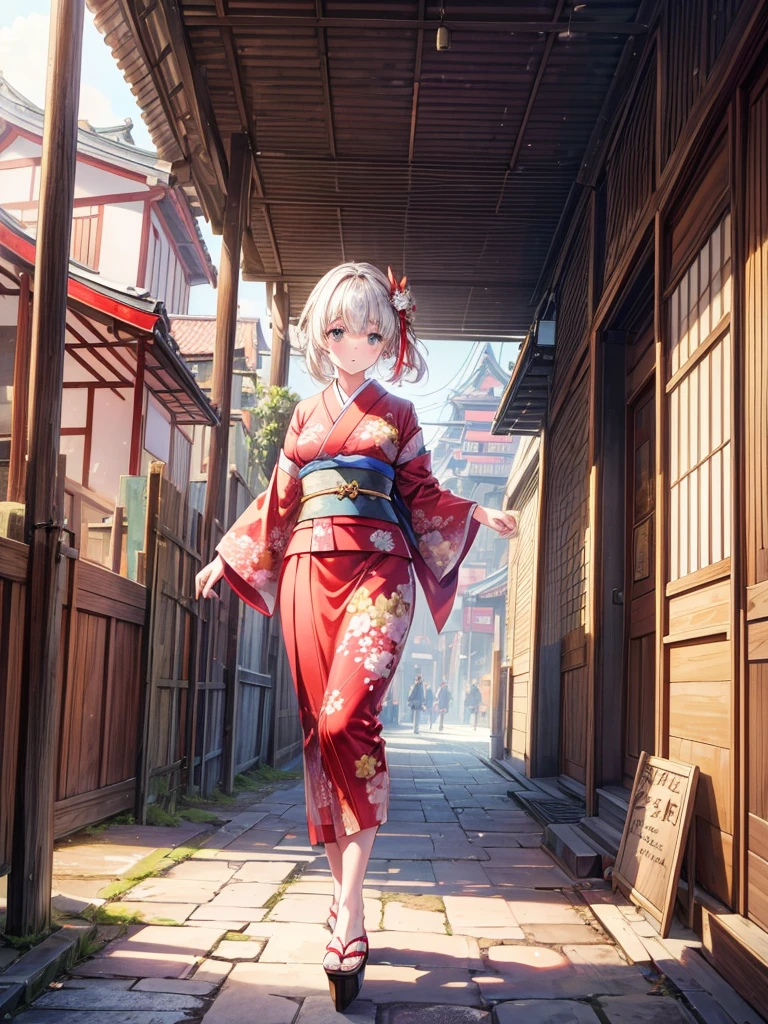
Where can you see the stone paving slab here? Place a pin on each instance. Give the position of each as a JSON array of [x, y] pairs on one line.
[[97, 998], [452, 875], [115, 851], [408, 949], [301, 908], [244, 894], [564, 934], [105, 1017], [225, 916], [534, 906], [155, 913], [384, 984], [405, 1014], [152, 951], [320, 1010], [642, 1010], [237, 950], [192, 988], [212, 972], [202, 871], [269, 872], [478, 912], [291, 943], [529, 878], [538, 972], [401, 918], [172, 890], [545, 1011]]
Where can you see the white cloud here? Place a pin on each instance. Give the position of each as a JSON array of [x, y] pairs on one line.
[[24, 62]]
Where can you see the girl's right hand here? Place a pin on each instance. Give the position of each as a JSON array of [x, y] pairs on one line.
[[208, 576]]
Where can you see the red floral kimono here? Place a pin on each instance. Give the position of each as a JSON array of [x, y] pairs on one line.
[[351, 510]]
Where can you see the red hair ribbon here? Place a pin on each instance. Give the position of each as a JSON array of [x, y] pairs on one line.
[[401, 299]]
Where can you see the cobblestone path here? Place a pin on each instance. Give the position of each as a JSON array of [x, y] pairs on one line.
[[469, 920]]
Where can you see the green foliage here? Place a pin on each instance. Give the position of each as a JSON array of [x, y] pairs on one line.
[[157, 816], [199, 816], [270, 415]]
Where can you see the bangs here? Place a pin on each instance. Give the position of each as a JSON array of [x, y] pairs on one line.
[[359, 302]]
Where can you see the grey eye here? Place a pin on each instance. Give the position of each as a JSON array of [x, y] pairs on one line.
[[336, 333], [374, 339]]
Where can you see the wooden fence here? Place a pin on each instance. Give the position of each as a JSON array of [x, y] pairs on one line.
[[100, 705], [13, 574]]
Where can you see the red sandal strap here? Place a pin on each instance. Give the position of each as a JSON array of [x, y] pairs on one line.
[[361, 952]]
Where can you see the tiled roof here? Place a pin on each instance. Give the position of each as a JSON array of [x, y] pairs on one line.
[[196, 335]]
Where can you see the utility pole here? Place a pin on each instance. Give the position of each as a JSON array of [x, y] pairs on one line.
[[29, 890]]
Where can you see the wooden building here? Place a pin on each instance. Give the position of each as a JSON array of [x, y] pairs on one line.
[[638, 593]]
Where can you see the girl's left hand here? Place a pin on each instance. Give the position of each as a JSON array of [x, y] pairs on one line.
[[504, 523]]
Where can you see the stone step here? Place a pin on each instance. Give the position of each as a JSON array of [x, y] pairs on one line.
[[572, 848], [612, 805], [601, 832]]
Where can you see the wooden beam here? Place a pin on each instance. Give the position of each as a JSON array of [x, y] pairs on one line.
[[281, 348], [17, 470], [226, 327], [254, 20], [134, 462], [29, 891], [530, 105]]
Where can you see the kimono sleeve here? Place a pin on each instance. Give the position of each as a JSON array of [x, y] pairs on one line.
[[442, 522], [254, 547]]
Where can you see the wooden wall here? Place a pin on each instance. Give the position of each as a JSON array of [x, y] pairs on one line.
[[564, 597], [520, 622], [101, 696], [755, 259], [13, 574]]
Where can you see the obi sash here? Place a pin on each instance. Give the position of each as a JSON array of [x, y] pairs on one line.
[[347, 485]]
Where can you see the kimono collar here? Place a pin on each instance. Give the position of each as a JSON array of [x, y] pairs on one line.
[[337, 401]]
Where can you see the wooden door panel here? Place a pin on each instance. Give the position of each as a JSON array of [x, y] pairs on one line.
[[640, 628], [755, 377]]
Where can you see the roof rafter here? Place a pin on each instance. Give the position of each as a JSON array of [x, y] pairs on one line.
[[247, 122], [254, 19]]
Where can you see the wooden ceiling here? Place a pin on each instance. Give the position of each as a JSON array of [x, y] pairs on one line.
[[369, 144]]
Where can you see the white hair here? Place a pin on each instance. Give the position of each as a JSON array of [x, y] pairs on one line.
[[359, 294]]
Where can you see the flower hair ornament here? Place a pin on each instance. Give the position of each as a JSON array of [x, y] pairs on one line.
[[401, 299]]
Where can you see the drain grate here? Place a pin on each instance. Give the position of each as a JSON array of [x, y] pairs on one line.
[[554, 812]]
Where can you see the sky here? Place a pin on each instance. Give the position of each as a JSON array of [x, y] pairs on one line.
[[106, 99]]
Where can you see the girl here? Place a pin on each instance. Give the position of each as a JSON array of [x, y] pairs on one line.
[[351, 511]]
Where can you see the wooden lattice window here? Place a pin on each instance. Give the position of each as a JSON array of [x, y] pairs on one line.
[[699, 368], [85, 245]]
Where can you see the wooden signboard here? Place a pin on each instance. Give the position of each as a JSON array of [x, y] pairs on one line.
[[648, 863]]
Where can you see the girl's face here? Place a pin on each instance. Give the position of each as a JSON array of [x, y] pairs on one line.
[[350, 352]]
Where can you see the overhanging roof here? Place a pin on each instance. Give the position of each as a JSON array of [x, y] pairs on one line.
[[368, 144], [524, 403], [104, 322]]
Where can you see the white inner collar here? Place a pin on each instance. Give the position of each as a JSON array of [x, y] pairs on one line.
[[343, 397]]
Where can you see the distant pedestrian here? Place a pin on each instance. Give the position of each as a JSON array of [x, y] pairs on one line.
[[416, 701], [429, 700], [444, 698], [472, 701]]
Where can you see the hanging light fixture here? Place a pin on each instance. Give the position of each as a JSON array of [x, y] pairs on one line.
[[443, 40]]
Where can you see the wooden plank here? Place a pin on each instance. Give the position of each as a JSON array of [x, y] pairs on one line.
[[700, 663], [87, 808], [714, 793], [757, 889], [706, 610], [714, 860], [97, 580], [757, 601], [616, 924], [757, 640], [701, 711], [739, 950]]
